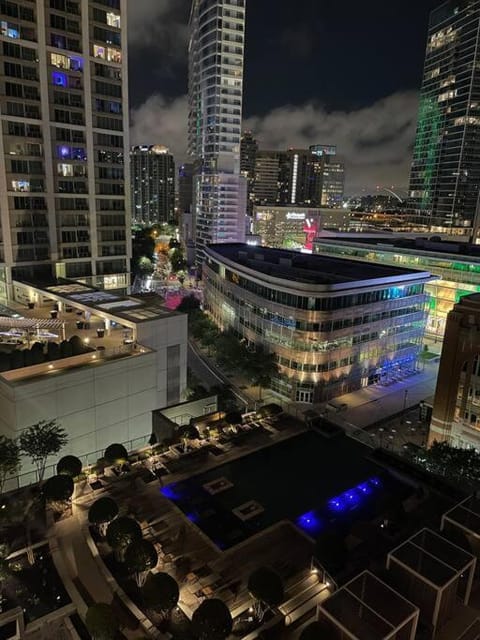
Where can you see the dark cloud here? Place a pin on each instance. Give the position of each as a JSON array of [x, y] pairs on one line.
[[376, 141], [159, 24]]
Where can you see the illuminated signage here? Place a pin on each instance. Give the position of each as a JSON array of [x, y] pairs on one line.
[[292, 215]]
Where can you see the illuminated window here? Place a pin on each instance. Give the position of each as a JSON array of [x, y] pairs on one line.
[[64, 151], [113, 20], [60, 61], [9, 30], [114, 55], [65, 170], [467, 120], [98, 52], [448, 95], [59, 79], [20, 185]]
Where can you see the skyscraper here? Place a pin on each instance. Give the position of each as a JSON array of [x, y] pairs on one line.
[[248, 156], [185, 188], [216, 52], [313, 176], [445, 174], [152, 171], [63, 141]]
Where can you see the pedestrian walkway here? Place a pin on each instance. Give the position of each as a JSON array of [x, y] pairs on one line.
[[372, 404]]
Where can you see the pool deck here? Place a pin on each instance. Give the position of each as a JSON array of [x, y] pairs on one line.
[[281, 546]]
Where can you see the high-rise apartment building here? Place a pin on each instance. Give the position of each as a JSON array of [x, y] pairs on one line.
[[63, 141], [152, 171], [445, 174], [267, 171], [216, 52]]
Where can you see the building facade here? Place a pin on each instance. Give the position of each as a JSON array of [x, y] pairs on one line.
[[457, 273], [152, 174], [292, 227], [136, 365], [248, 157], [216, 52], [64, 141], [333, 326], [300, 177], [445, 174], [185, 188], [456, 408]]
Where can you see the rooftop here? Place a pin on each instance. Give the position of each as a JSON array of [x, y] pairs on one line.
[[430, 246], [134, 310], [306, 268]]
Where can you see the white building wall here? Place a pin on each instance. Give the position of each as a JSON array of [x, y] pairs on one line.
[[101, 404]]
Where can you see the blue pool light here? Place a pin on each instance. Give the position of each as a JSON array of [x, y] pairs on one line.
[[376, 482], [336, 504], [365, 488], [193, 516], [169, 491], [310, 523]]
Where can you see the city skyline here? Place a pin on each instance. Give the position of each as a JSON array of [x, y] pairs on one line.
[[370, 116]]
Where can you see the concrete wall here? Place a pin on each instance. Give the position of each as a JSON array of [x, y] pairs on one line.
[[109, 402]]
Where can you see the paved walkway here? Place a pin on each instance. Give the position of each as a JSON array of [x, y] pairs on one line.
[[369, 405], [81, 565]]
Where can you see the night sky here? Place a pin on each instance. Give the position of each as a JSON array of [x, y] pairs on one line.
[[316, 71]]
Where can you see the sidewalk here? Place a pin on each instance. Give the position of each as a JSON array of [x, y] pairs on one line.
[[369, 405]]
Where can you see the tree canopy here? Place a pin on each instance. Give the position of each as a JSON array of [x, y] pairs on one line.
[[456, 464], [161, 592], [212, 620], [102, 511], [9, 459], [121, 533], [69, 465], [140, 556], [266, 586], [115, 454], [41, 440], [58, 488]]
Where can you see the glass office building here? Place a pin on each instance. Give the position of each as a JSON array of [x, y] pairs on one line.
[[334, 325], [445, 174], [458, 274]]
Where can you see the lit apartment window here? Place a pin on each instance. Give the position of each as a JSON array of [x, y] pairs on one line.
[[114, 55], [9, 30], [99, 52], [20, 185], [113, 20], [65, 170]]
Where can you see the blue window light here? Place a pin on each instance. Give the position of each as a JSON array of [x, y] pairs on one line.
[[59, 79]]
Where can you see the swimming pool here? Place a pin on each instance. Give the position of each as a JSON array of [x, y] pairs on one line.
[[312, 481]]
